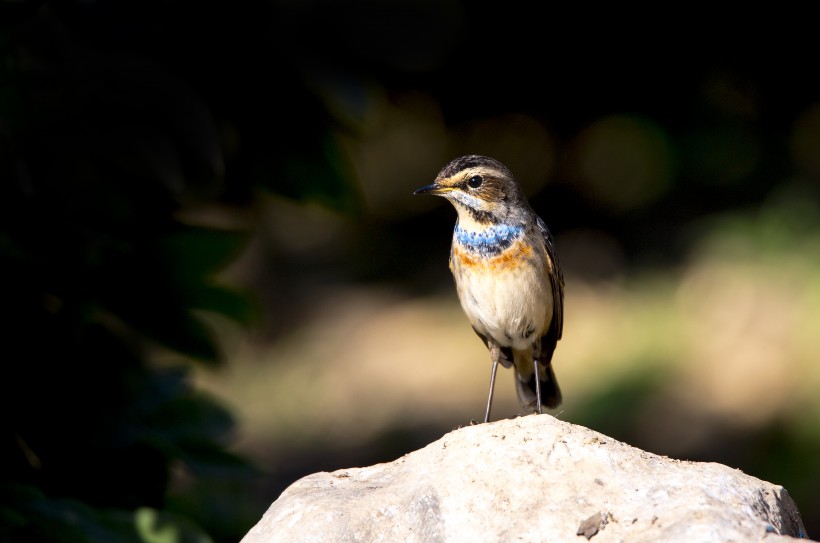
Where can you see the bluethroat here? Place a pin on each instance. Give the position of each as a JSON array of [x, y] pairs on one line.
[[507, 275]]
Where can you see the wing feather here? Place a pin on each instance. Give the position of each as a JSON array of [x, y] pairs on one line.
[[556, 277]]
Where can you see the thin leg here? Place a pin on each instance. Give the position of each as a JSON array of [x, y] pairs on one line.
[[492, 386], [537, 383]]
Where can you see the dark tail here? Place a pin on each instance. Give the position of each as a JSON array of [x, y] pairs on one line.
[[550, 392]]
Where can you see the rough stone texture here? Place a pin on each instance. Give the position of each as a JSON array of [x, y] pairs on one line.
[[532, 478]]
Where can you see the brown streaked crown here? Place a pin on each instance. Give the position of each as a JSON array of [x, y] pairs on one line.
[[473, 161]]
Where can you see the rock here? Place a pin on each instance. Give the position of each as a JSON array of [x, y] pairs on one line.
[[532, 478]]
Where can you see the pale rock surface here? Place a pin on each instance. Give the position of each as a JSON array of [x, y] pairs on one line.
[[530, 479]]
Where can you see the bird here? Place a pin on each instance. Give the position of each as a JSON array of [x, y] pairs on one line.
[[507, 275]]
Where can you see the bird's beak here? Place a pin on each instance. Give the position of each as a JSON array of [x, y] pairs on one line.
[[432, 189]]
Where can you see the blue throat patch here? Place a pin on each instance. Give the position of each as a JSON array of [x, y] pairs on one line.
[[490, 241]]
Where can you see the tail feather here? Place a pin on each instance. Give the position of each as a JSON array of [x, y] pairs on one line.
[[550, 392]]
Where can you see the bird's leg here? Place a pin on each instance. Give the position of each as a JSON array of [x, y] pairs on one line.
[[495, 354], [537, 379]]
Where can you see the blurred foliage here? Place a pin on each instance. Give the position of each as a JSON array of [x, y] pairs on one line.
[[107, 133]]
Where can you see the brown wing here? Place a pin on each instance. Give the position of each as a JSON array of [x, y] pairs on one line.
[[556, 329]]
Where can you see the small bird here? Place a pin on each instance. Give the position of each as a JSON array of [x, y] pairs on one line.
[[507, 275]]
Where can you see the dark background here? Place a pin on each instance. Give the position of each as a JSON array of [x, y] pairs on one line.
[[140, 140]]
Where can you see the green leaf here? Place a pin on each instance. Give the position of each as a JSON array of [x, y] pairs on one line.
[[194, 254], [161, 527], [27, 514]]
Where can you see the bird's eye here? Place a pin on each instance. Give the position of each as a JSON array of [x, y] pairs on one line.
[[475, 181]]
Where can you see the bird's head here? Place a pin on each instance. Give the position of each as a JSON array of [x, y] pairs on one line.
[[481, 189]]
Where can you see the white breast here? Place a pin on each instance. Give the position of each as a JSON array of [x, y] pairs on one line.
[[508, 302]]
